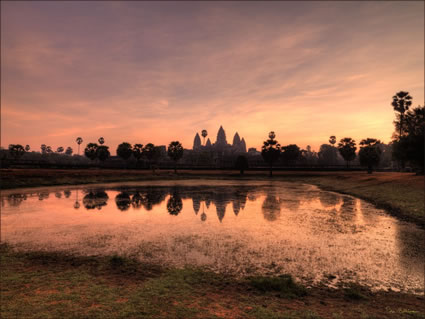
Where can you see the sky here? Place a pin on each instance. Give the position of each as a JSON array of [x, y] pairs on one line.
[[157, 72]]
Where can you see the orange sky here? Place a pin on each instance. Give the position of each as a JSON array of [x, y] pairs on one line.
[[156, 72]]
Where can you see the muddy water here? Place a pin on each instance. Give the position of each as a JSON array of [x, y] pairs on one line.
[[243, 228]]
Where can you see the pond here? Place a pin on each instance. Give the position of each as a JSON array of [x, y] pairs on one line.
[[242, 228]]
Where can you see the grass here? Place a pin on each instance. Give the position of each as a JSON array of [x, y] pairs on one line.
[[59, 285], [283, 284]]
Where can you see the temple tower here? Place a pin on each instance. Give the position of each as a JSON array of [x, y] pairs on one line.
[[197, 142]]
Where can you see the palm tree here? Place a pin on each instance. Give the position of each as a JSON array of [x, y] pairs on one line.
[[16, 150], [332, 140], [271, 151], [101, 140], [102, 153], [175, 152], [347, 149], [27, 148], [59, 149], [68, 150], [151, 153], [138, 151], [401, 103], [124, 150], [91, 151], [204, 134], [370, 153], [79, 140]]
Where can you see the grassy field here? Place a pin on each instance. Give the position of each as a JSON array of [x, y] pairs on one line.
[[401, 194], [55, 285]]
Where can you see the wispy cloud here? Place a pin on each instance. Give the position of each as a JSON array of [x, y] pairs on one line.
[[144, 71]]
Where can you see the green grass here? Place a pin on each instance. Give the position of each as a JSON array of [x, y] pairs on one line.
[[284, 285], [59, 285]]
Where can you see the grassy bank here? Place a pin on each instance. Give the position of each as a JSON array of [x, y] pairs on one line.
[[56, 285], [401, 194]]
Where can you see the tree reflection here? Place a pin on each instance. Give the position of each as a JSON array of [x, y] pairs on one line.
[[137, 201], [174, 204], [67, 193], [77, 203], [16, 199], [95, 199], [328, 199], [153, 196], [43, 195], [123, 201], [271, 208]]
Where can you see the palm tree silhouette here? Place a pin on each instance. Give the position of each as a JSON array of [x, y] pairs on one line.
[[79, 140], [401, 103], [101, 140], [204, 134]]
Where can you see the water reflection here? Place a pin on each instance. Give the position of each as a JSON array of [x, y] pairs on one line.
[[175, 203], [271, 208], [123, 201], [268, 228], [16, 199], [95, 199]]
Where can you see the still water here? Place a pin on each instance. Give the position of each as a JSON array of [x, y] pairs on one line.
[[243, 228]]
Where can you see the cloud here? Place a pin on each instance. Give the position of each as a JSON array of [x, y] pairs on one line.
[[143, 71]]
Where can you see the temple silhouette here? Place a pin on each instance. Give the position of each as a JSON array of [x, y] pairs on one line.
[[220, 146]]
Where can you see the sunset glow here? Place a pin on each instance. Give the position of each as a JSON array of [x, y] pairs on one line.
[[156, 72]]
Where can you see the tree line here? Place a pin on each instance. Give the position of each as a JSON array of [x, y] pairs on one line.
[[406, 147]]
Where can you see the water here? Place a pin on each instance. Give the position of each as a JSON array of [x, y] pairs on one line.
[[243, 228]]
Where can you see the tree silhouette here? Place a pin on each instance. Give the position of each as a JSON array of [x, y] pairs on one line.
[[102, 152], [27, 148], [124, 150], [204, 134], [138, 151], [332, 140], [68, 150], [59, 149], [49, 149], [151, 153], [401, 103], [370, 153], [347, 149], [175, 152], [290, 154], [43, 148], [91, 151], [410, 146], [327, 154], [79, 140], [16, 151], [271, 151], [241, 164], [101, 140]]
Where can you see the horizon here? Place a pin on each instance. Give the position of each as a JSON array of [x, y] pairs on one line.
[[144, 72]]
